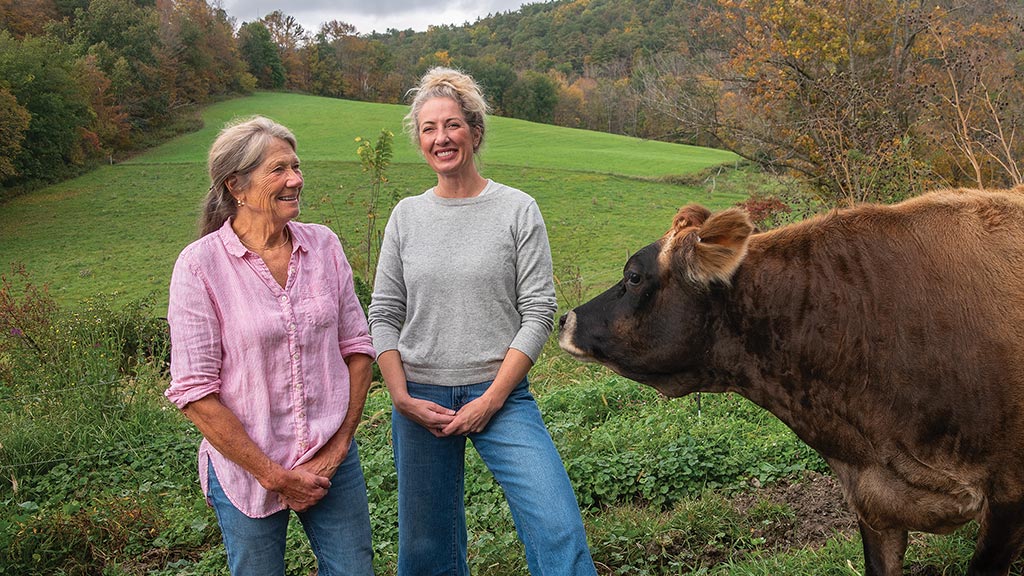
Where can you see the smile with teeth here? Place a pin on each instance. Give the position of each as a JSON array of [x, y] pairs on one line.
[[444, 154]]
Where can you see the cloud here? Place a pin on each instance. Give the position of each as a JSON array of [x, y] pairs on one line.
[[376, 15]]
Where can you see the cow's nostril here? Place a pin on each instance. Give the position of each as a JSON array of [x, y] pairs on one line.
[[561, 321]]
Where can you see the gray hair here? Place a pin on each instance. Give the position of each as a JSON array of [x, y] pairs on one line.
[[237, 151], [440, 82]]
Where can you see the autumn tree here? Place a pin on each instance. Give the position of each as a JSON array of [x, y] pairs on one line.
[[110, 124], [124, 39], [344, 64], [41, 75], [26, 17], [324, 55], [290, 37], [532, 97], [853, 96], [822, 89], [569, 110], [197, 55], [972, 82], [80, 79], [257, 48], [14, 121], [357, 59]]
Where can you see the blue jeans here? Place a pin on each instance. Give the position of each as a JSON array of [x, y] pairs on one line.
[[338, 528], [518, 450]]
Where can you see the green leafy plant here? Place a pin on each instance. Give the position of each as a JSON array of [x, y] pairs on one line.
[[375, 159]]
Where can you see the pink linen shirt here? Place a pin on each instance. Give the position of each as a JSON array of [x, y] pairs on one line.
[[275, 356]]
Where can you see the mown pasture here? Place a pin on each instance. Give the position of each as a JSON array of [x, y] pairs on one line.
[[99, 471]]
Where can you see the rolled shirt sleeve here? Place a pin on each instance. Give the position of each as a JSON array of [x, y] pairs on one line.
[[195, 332]]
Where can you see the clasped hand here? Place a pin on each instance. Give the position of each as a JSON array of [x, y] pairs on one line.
[[300, 489], [305, 485], [441, 422]]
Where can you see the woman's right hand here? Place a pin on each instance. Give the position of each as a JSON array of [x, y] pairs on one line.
[[430, 415]]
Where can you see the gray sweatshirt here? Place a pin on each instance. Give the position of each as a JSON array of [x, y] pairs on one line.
[[460, 281]]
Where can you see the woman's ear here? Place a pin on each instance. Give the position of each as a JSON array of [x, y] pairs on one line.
[[234, 189], [478, 137]]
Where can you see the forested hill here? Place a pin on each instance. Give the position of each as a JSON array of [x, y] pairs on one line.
[[570, 36], [568, 62], [874, 99]]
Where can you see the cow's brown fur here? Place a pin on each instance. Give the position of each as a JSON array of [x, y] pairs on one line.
[[889, 338]]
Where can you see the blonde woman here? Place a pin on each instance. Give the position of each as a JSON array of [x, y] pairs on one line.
[[463, 303]]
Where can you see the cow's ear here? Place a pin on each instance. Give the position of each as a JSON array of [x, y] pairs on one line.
[[688, 217], [721, 245]]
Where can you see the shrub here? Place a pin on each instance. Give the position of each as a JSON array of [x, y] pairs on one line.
[[764, 211]]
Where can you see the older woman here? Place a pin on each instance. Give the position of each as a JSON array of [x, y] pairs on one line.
[[462, 305], [271, 359]]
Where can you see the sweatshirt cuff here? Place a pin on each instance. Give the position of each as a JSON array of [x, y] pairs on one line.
[[530, 342], [384, 342]]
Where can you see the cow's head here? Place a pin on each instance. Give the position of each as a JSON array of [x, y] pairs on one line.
[[654, 323]]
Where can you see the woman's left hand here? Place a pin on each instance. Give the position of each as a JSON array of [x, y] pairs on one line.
[[301, 490], [472, 417], [323, 465]]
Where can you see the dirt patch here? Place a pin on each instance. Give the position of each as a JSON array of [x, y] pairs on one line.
[[800, 513]]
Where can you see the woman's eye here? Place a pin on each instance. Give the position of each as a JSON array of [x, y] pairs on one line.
[[632, 278]]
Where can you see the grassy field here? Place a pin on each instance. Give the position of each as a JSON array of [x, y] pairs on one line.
[[100, 472]]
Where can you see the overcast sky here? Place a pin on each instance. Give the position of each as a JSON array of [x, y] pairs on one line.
[[373, 15]]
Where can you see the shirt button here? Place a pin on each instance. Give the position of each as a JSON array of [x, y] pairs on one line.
[[284, 297], [295, 356], [291, 327]]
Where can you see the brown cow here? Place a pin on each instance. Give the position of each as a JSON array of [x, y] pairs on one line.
[[889, 338]]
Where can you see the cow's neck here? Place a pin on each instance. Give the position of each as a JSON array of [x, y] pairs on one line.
[[767, 349]]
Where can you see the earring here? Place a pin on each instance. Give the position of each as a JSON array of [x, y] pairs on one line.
[[240, 203]]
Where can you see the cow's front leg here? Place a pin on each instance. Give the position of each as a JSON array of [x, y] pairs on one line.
[[1000, 539], [883, 550]]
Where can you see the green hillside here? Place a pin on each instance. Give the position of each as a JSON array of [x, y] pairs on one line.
[[119, 228], [327, 127]]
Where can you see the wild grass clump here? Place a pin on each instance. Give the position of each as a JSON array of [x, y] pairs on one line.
[[88, 443], [73, 381]]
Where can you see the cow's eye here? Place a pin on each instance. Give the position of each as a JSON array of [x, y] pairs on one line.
[[632, 278]]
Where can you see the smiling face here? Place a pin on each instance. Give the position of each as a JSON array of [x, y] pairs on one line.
[[273, 188], [447, 140]]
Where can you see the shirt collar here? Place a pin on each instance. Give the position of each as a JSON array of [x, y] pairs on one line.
[[235, 247]]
